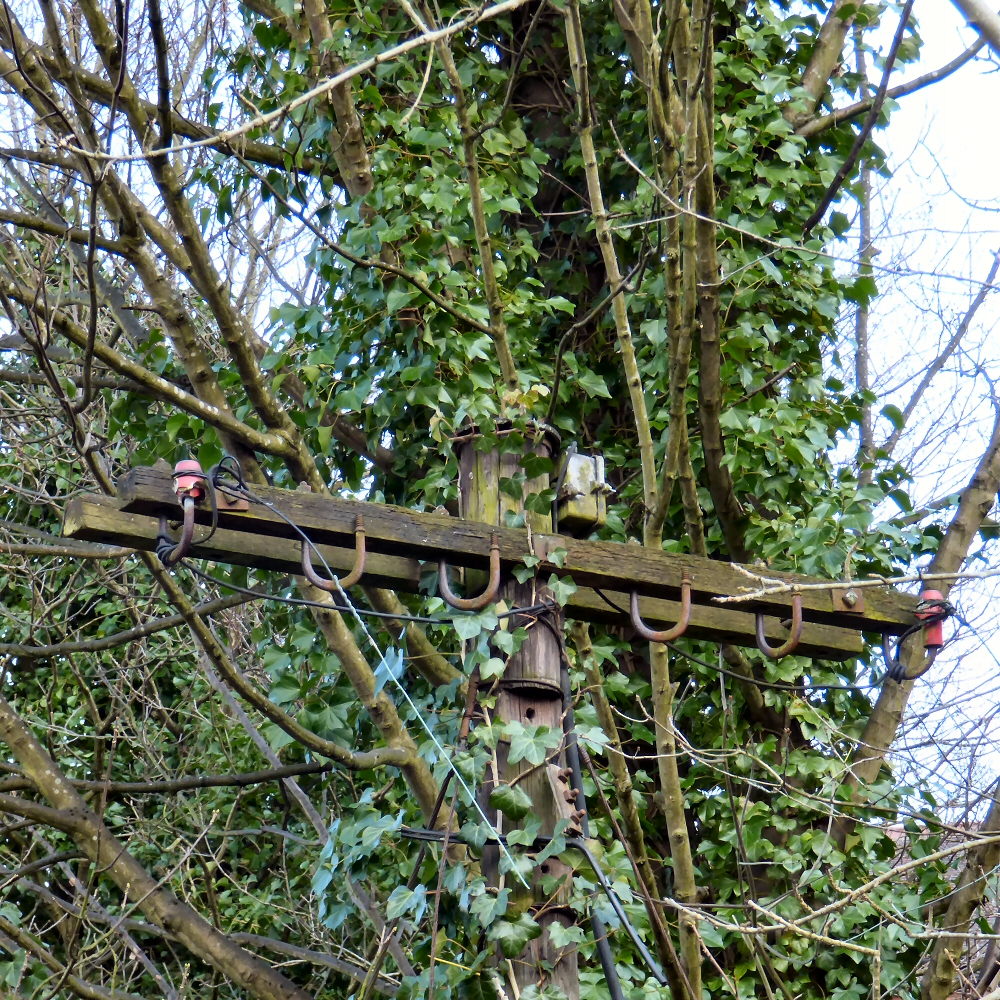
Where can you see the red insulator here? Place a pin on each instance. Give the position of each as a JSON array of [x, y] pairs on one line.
[[189, 480], [934, 632]]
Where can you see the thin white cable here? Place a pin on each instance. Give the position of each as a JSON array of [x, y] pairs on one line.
[[430, 733]]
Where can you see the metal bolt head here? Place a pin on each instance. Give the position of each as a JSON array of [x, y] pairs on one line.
[[850, 598]]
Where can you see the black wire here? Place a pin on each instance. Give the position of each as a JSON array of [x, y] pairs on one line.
[[231, 466], [534, 610], [898, 671], [742, 677], [417, 833]]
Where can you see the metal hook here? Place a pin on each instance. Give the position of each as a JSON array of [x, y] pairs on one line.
[[671, 633], [357, 571], [168, 551], [793, 639], [487, 596]]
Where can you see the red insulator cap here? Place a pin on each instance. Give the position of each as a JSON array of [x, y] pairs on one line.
[[189, 480], [933, 633]]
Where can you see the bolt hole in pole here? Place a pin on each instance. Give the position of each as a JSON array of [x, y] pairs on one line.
[[357, 571], [487, 596], [671, 633], [777, 652]]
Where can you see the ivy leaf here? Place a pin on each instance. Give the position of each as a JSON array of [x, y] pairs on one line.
[[469, 626], [476, 834], [593, 384], [562, 588], [556, 845], [391, 666], [557, 557], [513, 935], [561, 936], [514, 802], [488, 908], [493, 667], [530, 742], [540, 503], [535, 465], [525, 837], [400, 901], [285, 690], [481, 986]]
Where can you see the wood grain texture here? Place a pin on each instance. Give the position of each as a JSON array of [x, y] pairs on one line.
[[603, 565], [97, 518]]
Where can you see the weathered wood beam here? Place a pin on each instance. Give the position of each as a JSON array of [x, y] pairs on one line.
[[599, 565], [97, 518]]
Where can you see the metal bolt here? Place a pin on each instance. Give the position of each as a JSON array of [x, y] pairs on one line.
[[850, 598]]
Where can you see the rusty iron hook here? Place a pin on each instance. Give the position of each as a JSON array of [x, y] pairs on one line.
[[337, 583], [487, 596], [776, 653], [169, 552], [671, 633]]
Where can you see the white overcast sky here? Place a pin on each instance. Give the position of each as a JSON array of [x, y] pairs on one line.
[[937, 226]]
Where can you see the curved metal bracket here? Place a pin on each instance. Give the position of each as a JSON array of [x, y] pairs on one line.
[[671, 633], [793, 639], [169, 552], [896, 671], [487, 596], [337, 583]]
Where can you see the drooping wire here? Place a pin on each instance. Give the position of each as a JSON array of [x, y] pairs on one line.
[[430, 732], [529, 611], [229, 465], [931, 611], [237, 473]]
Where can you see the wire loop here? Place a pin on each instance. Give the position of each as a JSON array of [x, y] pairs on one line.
[[931, 610], [168, 551]]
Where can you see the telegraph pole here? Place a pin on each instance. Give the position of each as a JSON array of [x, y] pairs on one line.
[[530, 691]]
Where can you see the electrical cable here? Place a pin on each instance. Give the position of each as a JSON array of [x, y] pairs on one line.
[[531, 611], [416, 833], [573, 759]]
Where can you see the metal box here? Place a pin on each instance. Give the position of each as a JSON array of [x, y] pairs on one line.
[[582, 500]]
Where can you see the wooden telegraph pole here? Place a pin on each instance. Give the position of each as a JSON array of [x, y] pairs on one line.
[[621, 585], [530, 690]]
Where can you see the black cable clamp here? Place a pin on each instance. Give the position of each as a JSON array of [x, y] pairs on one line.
[[932, 611], [191, 483]]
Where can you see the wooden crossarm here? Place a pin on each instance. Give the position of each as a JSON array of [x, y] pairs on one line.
[[101, 518], [599, 565]]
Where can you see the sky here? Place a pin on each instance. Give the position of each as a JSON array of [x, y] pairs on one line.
[[936, 227]]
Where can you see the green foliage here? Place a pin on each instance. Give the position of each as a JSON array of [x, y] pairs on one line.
[[513, 935], [409, 375], [514, 803]]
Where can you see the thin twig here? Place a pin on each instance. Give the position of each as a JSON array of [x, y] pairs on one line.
[[876, 109]]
